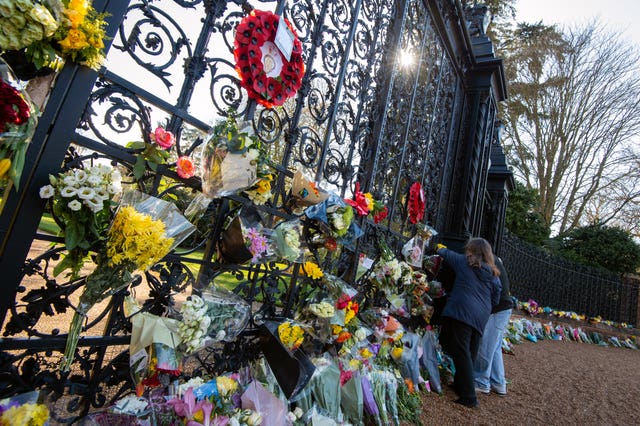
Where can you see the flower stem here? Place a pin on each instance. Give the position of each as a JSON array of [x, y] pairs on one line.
[[74, 335]]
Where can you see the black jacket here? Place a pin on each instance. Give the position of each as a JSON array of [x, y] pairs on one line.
[[506, 302]]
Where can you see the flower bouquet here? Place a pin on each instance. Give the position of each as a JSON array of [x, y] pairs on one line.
[[414, 250], [245, 238], [81, 201], [17, 124], [153, 350], [288, 241], [281, 346], [214, 316], [143, 231], [305, 192], [24, 410], [232, 158], [339, 216], [364, 204], [50, 31]]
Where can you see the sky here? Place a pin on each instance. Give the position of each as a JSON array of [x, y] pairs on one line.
[[618, 15]]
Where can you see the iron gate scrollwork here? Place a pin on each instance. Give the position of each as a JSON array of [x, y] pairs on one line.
[[361, 115]]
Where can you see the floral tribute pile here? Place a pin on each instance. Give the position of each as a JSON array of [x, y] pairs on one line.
[[347, 355], [541, 326]]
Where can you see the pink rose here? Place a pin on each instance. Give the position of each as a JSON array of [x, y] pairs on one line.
[[163, 138], [185, 167]]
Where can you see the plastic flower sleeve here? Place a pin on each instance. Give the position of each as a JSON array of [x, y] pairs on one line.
[[351, 400], [288, 241], [142, 232], [245, 238], [26, 409], [273, 409], [229, 159], [429, 360], [176, 225], [339, 216], [229, 313], [18, 120], [325, 388], [415, 249]]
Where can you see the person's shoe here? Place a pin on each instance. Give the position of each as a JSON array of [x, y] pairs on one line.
[[467, 403], [482, 390], [497, 389]]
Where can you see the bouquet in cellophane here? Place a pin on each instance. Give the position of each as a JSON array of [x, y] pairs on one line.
[[143, 231], [18, 120]]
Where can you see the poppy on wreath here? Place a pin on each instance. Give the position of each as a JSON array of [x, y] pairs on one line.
[[265, 73]]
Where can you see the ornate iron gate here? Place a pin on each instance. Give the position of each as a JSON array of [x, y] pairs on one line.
[[361, 115]]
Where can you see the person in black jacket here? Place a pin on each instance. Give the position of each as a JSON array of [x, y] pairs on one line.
[[488, 368], [475, 291]]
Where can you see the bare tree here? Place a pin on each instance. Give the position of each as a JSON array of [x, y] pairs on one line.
[[572, 120]]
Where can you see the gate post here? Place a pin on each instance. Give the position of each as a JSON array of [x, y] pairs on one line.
[[56, 129]]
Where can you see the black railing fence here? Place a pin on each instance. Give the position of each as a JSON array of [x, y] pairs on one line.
[[564, 285]]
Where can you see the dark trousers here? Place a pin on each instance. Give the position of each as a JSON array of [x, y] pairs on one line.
[[461, 342]]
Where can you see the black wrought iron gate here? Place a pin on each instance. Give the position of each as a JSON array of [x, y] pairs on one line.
[[395, 92]]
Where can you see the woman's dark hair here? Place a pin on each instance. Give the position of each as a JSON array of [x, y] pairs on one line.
[[478, 251]]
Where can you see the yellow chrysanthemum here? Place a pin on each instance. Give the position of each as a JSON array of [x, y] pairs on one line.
[[138, 238], [312, 270], [335, 329], [26, 414], [291, 336]]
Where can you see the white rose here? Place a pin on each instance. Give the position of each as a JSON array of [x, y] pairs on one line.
[[47, 191], [298, 412], [74, 205], [291, 417]]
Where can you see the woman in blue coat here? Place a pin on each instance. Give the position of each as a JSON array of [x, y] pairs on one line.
[[475, 291]]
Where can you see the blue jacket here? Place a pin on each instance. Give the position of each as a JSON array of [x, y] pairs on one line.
[[475, 291]]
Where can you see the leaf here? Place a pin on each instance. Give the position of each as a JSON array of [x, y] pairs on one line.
[[73, 234], [136, 145], [139, 168], [67, 262]]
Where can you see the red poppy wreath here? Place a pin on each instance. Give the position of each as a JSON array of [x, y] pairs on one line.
[[264, 71]]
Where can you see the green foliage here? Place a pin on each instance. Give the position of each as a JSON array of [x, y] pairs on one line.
[[600, 246], [522, 217]]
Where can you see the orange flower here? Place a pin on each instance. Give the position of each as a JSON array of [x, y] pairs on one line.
[[185, 167], [343, 337], [410, 386]]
